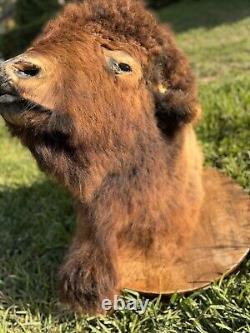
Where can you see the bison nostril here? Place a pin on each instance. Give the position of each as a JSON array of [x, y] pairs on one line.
[[26, 70]]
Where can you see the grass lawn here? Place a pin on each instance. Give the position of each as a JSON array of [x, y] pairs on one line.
[[36, 218]]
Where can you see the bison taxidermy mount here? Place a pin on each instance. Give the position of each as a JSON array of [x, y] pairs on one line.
[[106, 103]]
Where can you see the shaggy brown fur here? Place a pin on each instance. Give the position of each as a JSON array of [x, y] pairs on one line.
[[121, 142]]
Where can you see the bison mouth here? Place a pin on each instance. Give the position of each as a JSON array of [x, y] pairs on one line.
[[8, 99], [20, 113], [8, 93], [12, 105], [12, 108], [15, 109]]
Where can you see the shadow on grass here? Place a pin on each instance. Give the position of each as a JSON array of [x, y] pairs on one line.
[[192, 14], [36, 225]]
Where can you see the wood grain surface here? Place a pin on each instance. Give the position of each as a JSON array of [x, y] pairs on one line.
[[217, 245]]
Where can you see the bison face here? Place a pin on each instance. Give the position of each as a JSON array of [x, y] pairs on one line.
[[100, 71], [83, 86]]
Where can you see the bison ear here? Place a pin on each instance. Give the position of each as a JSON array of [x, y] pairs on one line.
[[174, 89]]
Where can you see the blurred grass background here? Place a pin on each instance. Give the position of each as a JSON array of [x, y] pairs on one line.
[[36, 217]]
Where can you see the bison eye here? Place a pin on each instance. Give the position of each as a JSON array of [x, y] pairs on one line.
[[122, 64], [119, 67], [125, 67]]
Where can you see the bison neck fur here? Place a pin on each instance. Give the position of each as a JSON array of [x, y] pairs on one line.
[[134, 192]]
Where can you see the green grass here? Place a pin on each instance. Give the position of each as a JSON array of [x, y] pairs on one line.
[[193, 14], [217, 50], [36, 217]]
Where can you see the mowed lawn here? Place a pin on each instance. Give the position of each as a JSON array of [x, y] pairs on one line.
[[36, 217]]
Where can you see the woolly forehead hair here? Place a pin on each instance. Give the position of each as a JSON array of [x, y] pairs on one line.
[[127, 23], [124, 20]]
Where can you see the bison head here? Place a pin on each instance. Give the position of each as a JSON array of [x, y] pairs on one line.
[[99, 67]]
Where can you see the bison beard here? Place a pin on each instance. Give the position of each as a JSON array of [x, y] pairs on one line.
[[121, 142]]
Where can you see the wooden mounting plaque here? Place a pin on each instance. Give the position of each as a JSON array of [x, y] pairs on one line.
[[219, 243]]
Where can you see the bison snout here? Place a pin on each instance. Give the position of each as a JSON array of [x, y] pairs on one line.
[[7, 91]]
